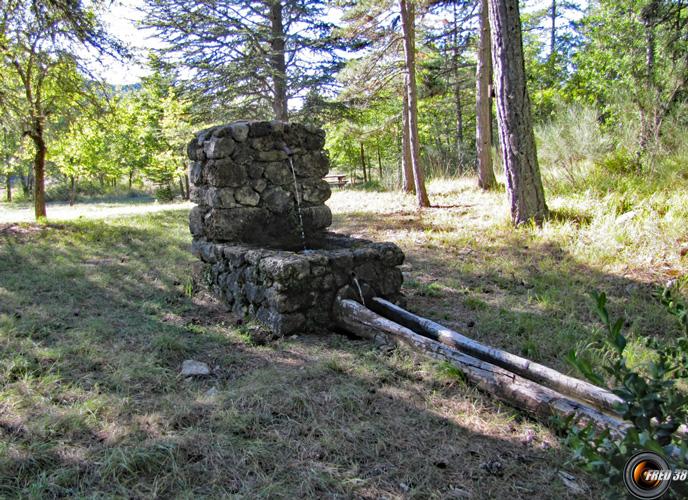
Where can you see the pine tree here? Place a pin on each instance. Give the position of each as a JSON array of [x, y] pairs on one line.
[[247, 58]]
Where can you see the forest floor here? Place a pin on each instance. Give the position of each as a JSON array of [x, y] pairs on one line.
[[96, 317]]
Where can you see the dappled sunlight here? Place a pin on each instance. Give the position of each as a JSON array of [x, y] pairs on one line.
[[62, 211], [98, 356]]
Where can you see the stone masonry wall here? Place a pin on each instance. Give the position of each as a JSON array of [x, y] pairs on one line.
[[244, 186], [246, 227]]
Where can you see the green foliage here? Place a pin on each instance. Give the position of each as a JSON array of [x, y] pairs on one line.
[[569, 145], [164, 193], [653, 400]]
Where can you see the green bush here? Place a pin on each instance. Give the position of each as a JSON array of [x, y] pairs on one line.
[[164, 193], [654, 400], [568, 146]]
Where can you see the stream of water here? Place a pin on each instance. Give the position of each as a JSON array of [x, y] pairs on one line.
[[298, 203]]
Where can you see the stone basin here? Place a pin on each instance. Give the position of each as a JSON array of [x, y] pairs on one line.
[[294, 290]]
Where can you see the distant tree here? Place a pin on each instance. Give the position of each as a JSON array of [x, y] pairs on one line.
[[246, 57], [408, 21], [635, 58], [483, 119], [523, 181], [39, 48], [8, 148]]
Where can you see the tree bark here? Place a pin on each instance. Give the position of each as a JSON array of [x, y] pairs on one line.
[[186, 185], [182, 194], [553, 33], [408, 15], [580, 389], [379, 161], [503, 384], [8, 186], [363, 164], [278, 61], [72, 190], [39, 172], [523, 181], [406, 167], [483, 122], [457, 88]]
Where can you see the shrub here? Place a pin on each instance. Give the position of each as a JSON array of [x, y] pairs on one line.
[[568, 146], [164, 193], [653, 400]]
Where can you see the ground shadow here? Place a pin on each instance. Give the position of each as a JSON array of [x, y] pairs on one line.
[[95, 321]]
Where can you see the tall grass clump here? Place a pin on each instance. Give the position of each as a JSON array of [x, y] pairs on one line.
[[568, 148]]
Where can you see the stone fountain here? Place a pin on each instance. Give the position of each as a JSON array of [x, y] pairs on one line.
[[260, 227]]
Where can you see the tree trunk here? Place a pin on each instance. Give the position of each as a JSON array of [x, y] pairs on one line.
[[553, 34], [39, 173], [278, 62], [72, 190], [408, 15], [457, 88], [363, 164], [483, 121], [379, 161], [8, 185], [522, 393], [601, 398], [406, 167], [186, 185], [523, 181], [181, 188]]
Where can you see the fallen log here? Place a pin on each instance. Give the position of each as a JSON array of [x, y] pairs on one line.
[[509, 387], [579, 389]]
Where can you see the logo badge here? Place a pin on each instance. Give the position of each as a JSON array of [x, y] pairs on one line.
[[647, 475]]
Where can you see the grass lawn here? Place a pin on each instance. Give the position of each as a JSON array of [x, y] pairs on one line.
[[96, 317]]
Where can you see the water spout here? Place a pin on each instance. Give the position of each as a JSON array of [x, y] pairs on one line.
[[290, 153], [358, 285]]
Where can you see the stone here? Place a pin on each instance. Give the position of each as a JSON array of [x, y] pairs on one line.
[[239, 131], [192, 368], [266, 143], [286, 267], [314, 164], [247, 196], [196, 194], [221, 131], [218, 147], [220, 197], [196, 172], [258, 185], [316, 191], [259, 129], [315, 218], [191, 149], [246, 231], [255, 171], [273, 155], [278, 173], [277, 200], [225, 173], [236, 224], [196, 223], [280, 324]]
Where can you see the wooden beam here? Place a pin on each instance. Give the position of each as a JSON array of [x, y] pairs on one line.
[[515, 390], [579, 389]]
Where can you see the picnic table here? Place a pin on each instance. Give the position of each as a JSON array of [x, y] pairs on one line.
[[338, 180]]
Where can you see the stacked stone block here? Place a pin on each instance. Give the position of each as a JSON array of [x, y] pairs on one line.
[[245, 227], [244, 186]]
